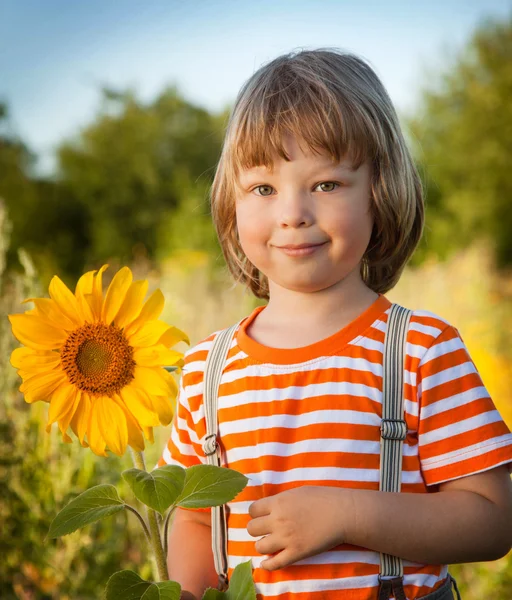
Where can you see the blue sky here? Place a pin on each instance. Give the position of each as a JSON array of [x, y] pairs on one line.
[[55, 54]]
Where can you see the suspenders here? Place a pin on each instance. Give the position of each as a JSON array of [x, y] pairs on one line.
[[393, 433]]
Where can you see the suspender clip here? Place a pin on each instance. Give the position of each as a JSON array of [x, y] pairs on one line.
[[210, 444], [393, 429]]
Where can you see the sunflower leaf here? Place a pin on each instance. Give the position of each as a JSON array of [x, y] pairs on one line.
[[208, 485], [158, 489], [241, 586], [129, 586], [92, 505]]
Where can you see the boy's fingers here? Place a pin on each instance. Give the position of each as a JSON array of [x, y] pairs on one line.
[[259, 508], [258, 527], [277, 561], [268, 545]]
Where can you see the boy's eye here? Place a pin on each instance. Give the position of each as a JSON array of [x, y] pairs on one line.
[[269, 187]]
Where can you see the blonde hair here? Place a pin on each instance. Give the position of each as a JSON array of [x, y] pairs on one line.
[[333, 101]]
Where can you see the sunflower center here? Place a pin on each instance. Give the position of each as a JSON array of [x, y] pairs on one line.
[[98, 359]]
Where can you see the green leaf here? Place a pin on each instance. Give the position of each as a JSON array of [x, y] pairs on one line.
[[158, 489], [127, 585], [92, 505], [208, 485], [163, 590], [212, 594], [241, 585]]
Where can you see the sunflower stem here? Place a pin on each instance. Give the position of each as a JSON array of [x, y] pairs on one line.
[[166, 528], [142, 522], [155, 538]]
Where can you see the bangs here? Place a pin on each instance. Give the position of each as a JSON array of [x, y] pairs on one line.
[[320, 119]]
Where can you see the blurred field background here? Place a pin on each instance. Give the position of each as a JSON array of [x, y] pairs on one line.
[[131, 188]]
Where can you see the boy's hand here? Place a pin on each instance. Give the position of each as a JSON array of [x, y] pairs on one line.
[[298, 523]]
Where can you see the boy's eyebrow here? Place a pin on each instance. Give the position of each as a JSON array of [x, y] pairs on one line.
[[261, 169]]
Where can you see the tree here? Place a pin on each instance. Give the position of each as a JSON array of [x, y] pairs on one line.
[[136, 166], [463, 132]]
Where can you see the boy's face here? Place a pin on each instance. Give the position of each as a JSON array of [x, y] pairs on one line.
[[298, 204]]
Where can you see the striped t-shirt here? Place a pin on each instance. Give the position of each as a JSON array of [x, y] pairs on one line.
[[312, 415]]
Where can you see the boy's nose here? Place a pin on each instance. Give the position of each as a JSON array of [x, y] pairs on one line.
[[295, 210]]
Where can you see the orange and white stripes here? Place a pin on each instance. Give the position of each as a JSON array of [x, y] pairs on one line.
[[292, 417]]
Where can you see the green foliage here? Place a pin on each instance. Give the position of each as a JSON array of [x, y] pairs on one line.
[[463, 131], [158, 489], [241, 586], [92, 505], [137, 166], [208, 485], [129, 586]]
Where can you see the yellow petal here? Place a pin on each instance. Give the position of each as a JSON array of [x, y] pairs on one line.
[[97, 292], [151, 310], [148, 334], [94, 436], [84, 285], [135, 439], [151, 380], [81, 417], [50, 312], [26, 358], [132, 303], [172, 336], [32, 332], [163, 406], [42, 386], [116, 294], [137, 403], [148, 433], [156, 356], [65, 300], [85, 306], [63, 401], [112, 424]]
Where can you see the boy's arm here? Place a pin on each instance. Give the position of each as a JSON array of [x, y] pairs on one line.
[[190, 556]]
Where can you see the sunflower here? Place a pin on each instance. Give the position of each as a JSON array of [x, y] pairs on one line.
[[99, 361]]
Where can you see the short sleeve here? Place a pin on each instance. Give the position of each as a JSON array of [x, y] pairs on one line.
[[460, 429]]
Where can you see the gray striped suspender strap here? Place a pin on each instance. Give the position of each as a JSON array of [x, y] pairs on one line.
[[212, 374], [393, 426]]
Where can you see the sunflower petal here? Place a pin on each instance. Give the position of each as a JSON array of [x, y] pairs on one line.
[[26, 358], [116, 294], [62, 403], [148, 334], [81, 417], [151, 310], [49, 311], [148, 433], [133, 398], [94, 436], [112, 424], [156, 356], [163, 406], [42, 386], [172, 336], [85, 284], [132, 303], [85, 306], [65, 300], [32, 332], [135, 439], [97, 292], [151, 380]]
